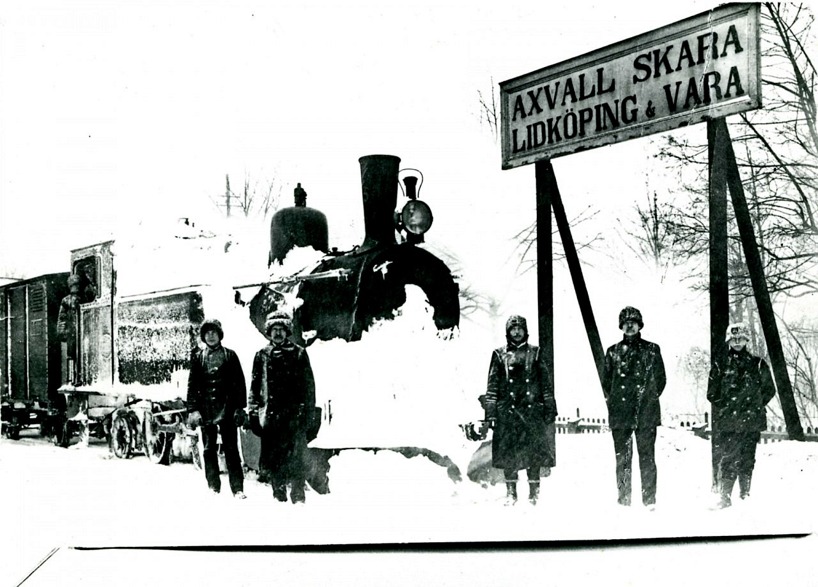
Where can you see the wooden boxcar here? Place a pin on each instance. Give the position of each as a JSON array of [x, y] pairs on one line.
[[31, 362]]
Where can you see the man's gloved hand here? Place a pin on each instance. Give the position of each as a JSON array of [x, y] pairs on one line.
[[194, 419], [241, 419]]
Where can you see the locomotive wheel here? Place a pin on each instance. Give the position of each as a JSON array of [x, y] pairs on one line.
[[121, 437], [157, 444]]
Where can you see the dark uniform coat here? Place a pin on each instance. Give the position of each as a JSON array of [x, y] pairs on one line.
[[216, 395], [67, 322], [520, 398], [633, 379], [739, 388], [282, 392]]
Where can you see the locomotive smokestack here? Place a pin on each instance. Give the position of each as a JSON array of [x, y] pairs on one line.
[[379, 182]]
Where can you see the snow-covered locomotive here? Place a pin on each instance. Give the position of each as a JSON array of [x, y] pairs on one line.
[[126, 377]]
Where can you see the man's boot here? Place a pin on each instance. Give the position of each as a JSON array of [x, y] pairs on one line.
[[511, 492], [744, 485], [533, 491], [297, 492], [279, 491], [726, 491]]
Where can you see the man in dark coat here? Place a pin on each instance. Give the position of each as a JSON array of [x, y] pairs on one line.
[[739, 389], [282, 397], [633, 379], [521, 408], [216, 398], [68, 317]]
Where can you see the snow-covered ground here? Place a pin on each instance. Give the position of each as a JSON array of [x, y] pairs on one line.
[[78, 497]]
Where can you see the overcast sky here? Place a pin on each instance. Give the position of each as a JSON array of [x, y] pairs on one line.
[[113, 111]]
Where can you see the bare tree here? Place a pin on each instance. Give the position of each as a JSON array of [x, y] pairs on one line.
[[695, 364], [526, 241], [651, 235], [801, 348], [488, 111], [777, 152], [472, 299], [777, 148], [255, 199]]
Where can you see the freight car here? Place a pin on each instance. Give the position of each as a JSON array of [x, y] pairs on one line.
[[31, 362]]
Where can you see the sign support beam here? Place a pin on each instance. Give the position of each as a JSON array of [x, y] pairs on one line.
[[546, 185], [547, 181], [755, 267]]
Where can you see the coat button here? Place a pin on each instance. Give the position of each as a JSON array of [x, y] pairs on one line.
[[511, 381]]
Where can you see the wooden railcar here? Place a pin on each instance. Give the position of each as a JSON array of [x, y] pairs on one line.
[[32, 367]]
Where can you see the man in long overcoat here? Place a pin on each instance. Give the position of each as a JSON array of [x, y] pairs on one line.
[[216, 398], [521, 408], [739, 388], [633, 379], [282, 397]]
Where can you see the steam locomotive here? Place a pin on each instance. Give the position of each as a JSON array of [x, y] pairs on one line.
[[124, 375]]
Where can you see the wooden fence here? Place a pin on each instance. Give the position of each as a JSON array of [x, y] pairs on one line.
[[580, 425]]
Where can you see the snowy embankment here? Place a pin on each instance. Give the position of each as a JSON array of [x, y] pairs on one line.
[[84, 497]]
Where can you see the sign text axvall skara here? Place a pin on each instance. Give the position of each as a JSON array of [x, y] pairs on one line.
[[675, 76]]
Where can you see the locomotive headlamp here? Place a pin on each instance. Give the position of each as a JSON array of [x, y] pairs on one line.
[[416, 217]]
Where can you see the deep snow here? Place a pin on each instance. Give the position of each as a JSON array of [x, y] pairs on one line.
[[84, 498]]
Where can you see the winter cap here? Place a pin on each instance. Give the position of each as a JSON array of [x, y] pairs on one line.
[[73, 279], [516, 321], [211, 325], [737, 330], [278, 319], [630, 313]]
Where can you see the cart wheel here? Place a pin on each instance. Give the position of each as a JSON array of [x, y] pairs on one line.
[[121, 438], [157, 444]]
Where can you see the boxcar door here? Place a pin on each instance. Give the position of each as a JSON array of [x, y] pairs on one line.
[[18, 365], [37, 342]]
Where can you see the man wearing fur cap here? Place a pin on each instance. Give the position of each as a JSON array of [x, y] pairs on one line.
[[282, 397], [633, 379], [521, 408], [216, 397], [739, 388]]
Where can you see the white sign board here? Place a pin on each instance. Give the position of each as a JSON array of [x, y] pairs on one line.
[[700, 68]]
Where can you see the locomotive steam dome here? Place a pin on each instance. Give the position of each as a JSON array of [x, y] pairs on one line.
[[297, 226]]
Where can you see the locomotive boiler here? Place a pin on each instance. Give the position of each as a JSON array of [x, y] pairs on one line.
[[344, 293]]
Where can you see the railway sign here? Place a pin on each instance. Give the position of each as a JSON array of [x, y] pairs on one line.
[[696, 69]]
